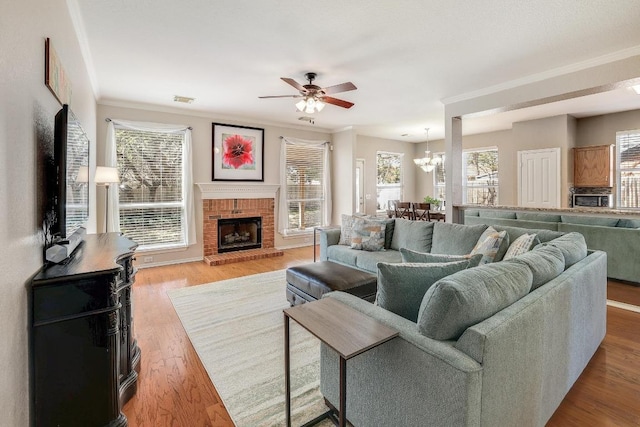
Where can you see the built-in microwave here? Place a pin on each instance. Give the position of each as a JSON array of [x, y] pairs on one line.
[[593, 200]]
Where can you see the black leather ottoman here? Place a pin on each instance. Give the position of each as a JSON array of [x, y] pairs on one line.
[[309, 282]]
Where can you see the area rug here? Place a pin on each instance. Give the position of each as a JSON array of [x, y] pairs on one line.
[[237, 328]]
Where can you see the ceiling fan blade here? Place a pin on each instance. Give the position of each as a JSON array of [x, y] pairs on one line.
[[338, 102], [344, 87], [281, 96], [293, 83]]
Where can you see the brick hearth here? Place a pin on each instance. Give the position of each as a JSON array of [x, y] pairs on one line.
[[215, 209]]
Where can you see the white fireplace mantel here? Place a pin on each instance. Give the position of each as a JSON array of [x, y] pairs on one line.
[[219, 190]]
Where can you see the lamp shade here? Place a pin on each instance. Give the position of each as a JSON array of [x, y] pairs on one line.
[[83, 174], [106, 175]]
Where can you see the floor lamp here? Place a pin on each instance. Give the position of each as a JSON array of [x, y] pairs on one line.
[[106, 176]]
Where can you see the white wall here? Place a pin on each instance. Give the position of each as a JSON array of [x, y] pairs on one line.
[[27, 110], [343, 173], [201, 136]]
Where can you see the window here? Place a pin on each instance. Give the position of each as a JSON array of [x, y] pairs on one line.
[[390, 180], [439, 177], [151, 202], [306, 186], [480, 179], [628, 169]]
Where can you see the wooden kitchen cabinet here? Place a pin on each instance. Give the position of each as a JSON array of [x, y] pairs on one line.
[[593, 166]]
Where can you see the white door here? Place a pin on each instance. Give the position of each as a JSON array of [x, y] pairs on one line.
[[539, 178], [360, 186]]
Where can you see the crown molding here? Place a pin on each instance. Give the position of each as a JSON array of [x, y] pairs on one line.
[[81, 35]]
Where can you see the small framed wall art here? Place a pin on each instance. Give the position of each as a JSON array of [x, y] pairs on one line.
[[237, 153], [55, 78]]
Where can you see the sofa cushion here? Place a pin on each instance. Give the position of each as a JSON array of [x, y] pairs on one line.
[[535, 216], [367, 235], [492, 245], [412, 256], [342, 254], [546, 263], [369, 260], [520, 246], [415, 235], [572, 245], [590, 220], [543, 235], [402, 286], [628, 223], [454, 239], [470, 296], [497, 214]]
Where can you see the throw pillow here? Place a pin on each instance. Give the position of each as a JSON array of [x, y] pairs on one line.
[[367, 235], [492, 245], [454, 239], [470, 296], [402, 286], [572, 245], [346, 227], [415, 235], [545, 262], [412, 256], [520, 246]]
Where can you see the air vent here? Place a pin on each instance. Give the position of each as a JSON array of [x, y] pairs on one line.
[[307, 119], [184, 99]]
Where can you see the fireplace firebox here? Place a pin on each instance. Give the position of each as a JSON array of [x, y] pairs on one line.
[[238, 234]]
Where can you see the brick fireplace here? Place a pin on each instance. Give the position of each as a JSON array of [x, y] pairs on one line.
[[238, 201]]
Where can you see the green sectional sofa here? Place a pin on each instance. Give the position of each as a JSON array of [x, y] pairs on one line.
[[619, 237], [499, 344]]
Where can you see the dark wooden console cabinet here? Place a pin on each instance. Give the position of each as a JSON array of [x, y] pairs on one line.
[[84, 356]]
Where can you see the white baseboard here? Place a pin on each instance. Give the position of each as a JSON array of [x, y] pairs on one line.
[[169, 262], [623, 306]]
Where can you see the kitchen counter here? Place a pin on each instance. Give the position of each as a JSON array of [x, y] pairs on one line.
[[568, 211]]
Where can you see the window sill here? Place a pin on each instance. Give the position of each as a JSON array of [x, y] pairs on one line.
[[162, 249]]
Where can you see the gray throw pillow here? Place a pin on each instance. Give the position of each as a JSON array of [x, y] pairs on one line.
[[590, 220], [454, 239], [572, 245], [546, 263], [412, 256], [346, 229], [402, 286], [629, 223], [470, 296], [415, 235]]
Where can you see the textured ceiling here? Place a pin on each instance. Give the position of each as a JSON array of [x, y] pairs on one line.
[[404, 56]]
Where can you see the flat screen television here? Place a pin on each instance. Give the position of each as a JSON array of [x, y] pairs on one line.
[[71, 160]]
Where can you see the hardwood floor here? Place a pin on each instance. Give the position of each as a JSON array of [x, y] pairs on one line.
[[175, 390]]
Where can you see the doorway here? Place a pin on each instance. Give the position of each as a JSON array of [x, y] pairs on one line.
[[359, 202]]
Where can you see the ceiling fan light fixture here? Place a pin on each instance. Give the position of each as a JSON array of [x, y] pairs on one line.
[[300, 105], [636, 89], [320, 105]]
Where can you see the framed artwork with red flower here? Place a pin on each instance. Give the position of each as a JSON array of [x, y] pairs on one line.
[[238, 153]]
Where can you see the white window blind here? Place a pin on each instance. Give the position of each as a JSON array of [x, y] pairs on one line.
[[390, 178], [305, 197], [628, 169], [152, 206], [480, 179]]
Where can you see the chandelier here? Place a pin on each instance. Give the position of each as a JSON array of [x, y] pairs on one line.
[[310, 104], [427, 163]]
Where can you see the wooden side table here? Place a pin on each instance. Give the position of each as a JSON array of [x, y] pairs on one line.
[[347, 331]]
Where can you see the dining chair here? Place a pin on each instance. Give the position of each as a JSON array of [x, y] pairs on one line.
[[421, 211], [404, 210]]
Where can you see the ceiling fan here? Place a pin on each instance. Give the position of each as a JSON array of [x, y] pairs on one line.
[[315, 97]]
